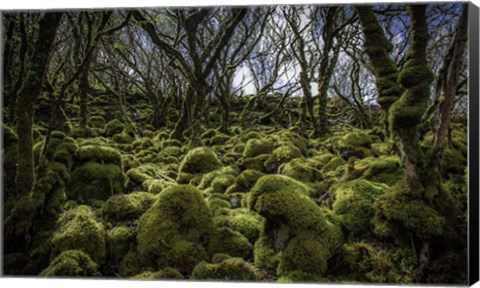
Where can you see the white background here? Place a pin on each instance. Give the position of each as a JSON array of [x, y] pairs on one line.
[[67, 283]]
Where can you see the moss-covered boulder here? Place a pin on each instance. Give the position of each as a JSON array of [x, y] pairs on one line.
[[375, 262], [98, 174], [228, 241], [302, 170], [245, 181], [229, 269], [166, 273], [354, 144], [97, 122], [289, 212], [248, 223], [78, 230], [71, 263], [305, 254], [282, 154], [255, 147], [120, 240], [176, 230], [199, 160], [113, 127], [384, 170], [354, 204], [125, 207]]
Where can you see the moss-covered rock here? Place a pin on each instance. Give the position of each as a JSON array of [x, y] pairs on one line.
[[97, 122], [94, 180], [228, 241], [166, 273], [229, 269], [289, 212], [384, 170], [71, 263], [354, 204], [282, 154], [302, 170], [248, 223], [78, 230], [255, 147], [374, 262], [113, 127], [397, 213], [199, 160], [306, 254], [176, 230], [100, 154], [354, 144], [124, 207], [120, 239], [245, 181]]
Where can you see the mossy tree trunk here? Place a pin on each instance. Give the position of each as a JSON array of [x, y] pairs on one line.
[[377, 48], [19, 221], [12, 89]]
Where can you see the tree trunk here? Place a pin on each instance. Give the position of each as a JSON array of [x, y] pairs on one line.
[[19, 221], [83, 88], [377, 48]]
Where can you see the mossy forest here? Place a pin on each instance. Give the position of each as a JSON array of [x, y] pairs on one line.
[[266, 143]]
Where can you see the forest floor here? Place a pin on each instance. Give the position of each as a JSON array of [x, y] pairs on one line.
[[258, 204]]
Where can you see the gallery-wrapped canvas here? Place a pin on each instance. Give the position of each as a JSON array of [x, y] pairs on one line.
[[286, 143]]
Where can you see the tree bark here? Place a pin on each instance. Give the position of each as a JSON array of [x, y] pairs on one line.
[[19, 221]]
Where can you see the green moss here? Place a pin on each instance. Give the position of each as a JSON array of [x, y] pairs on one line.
[[396, 212], [119, 241], [282, 154], [129, 162], [219, 139], [354, 204], [122, 138], [384, 170], [332, 165], [452, 161], [255, 147], [265, 255], [301, 170], [78, 230], [138, 175], [172, 151], [249, 224], [373, 262], [101, 154], [231, 242], [200, 160], [357, 144], [71, 263], [176, 229], [113, 127], [280, 195], [245, 181], [256, 163], [221, 183], [130, 264], [228, 269], [97, 122], [124, 207], [219, 257], [171, 142], [166, 273], [93, 180], [216, 203], [305, 253]]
